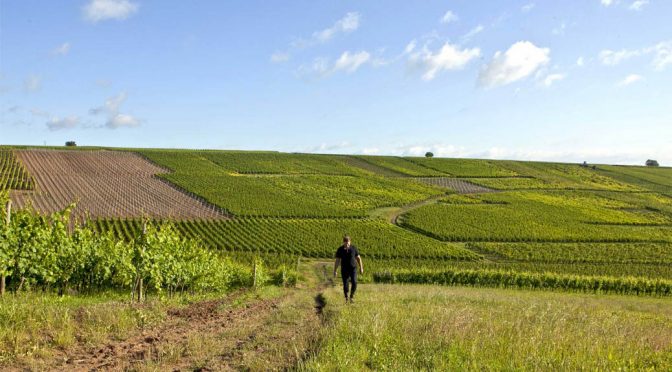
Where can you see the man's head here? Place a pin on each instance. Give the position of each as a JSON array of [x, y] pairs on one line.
[[347, 241]]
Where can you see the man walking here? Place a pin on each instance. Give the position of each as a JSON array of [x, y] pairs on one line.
[[348, 257]]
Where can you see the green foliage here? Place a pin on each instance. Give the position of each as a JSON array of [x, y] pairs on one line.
[[42, 252], [12, 173], [649, 178], [306, 237], [403, 166], [633, 253], [538, 175], [464, 167], [286, 195], [536, 216], [512, 279]]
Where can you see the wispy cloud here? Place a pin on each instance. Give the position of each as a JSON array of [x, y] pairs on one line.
[[629, 80], [552, 78], [638, 5], [349, 23], [606, 2], [116, 119], [348, 62], [520, 61], [61, 50], [473, 32], [527, 8], [662, 55], [279, 57], [449, 57], [69, 122], [613, 58], [449, 17], [33, 83], [101, 10]]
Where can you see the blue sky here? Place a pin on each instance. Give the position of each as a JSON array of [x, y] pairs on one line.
[[541, 80]]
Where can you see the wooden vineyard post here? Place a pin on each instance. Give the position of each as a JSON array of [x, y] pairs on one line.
[[8, 219], [254, 274], [140, 289]]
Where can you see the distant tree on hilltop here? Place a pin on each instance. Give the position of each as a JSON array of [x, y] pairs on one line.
[[652, 163], [429, 154]]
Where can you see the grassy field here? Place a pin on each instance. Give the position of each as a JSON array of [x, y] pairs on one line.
[[411, 327]]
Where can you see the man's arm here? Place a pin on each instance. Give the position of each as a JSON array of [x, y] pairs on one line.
[[338, 262], [361, 265]]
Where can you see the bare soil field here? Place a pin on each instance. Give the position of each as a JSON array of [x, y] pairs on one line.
[[461, 186], [105, 184]]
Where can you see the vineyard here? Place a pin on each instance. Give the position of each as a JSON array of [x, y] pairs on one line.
[[286, 195], [316, 238], [564, 219], [104, 184], [12, 174]]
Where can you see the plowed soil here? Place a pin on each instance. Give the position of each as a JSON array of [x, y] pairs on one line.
[[105, 184], [461, 186]]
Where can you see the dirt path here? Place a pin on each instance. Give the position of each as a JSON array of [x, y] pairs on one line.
[[408, 207], [274, 330]]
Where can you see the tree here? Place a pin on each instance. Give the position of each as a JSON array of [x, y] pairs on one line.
[[429, 154], [652, 163]]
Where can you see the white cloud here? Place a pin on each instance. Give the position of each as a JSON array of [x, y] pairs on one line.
[[65, 123], [473, 32], [100, 10], [580, 62], [663, 54], [519, 61], [326, 147], [122, 120], [39, 113], [410, 47], [449, 17], [347, 62], [612, 58], [61, 50], [630, 79], [33, 83], [527, 8], [351, 62], [550, 79], [370, 151], [449, 57], [560, 30], [606, 2], [279, 57], [347, 24], [111, 109], [638, 5]]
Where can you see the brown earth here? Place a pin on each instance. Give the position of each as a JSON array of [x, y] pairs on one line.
[[247, 330], [461, 186], [105, 184]]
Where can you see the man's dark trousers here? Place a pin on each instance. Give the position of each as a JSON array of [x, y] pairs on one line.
[[349, 275]]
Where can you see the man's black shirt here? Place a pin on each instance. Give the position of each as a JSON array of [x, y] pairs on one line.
[[348, 258]]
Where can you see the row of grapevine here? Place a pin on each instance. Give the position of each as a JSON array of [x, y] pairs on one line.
[[611, 269], [634, 253], [306, 237], [105, 184], [12, 174], [46, 252], [527, 280], [293, 195], [540, 217]]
